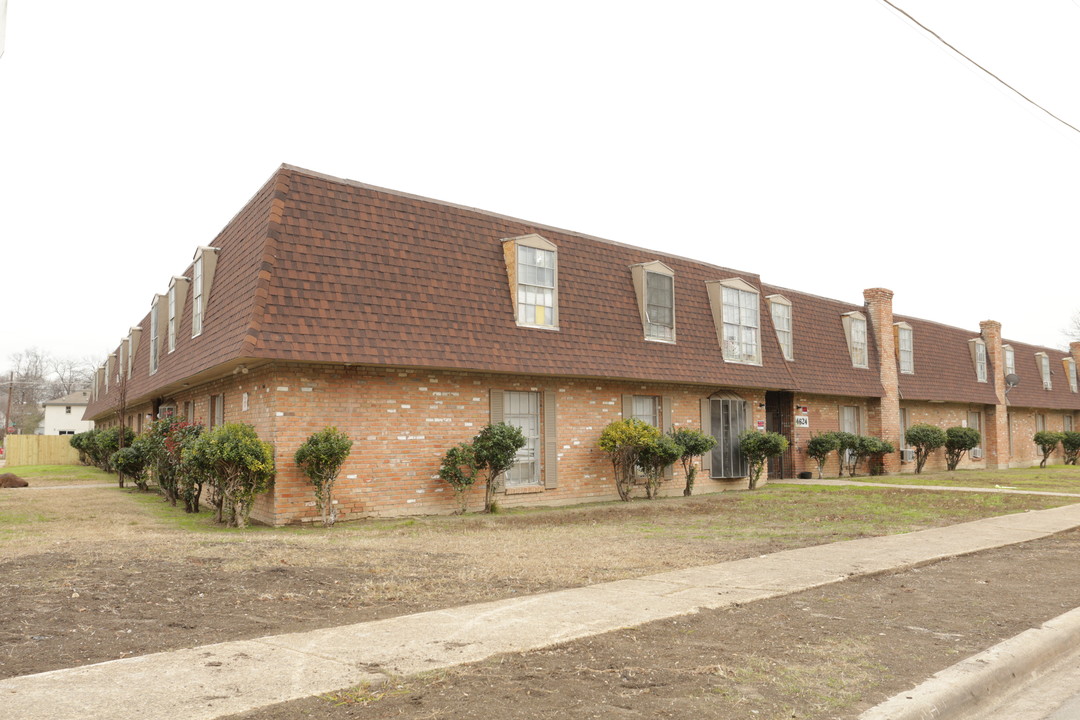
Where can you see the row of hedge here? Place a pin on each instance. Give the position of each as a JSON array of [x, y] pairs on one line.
[[183, 458]]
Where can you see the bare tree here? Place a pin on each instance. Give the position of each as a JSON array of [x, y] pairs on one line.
[[1072, 331], [35, 377]]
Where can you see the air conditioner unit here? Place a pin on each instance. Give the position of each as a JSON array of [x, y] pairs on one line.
[[907, 455], [976, 453]]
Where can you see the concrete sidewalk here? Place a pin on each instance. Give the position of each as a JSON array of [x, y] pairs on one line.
[[948, 488], [215, 680]]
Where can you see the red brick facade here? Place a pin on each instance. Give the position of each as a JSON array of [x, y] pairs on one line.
[[329, 302]]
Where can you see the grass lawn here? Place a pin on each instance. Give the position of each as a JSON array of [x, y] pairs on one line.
[[1053, 478], [50, 475]]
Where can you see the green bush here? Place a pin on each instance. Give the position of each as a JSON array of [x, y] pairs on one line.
[[1070, 443], [876, 450], [106, 443], [495, 450], [924, 439], [623, 440], [240, 466], [845, 447], [190, 480], [459, 471], [320, 458], [82, 442], [959, 440], [1047, 440], [131, 462], [819, 446], [654, 459], [692, 444], [757, 447]]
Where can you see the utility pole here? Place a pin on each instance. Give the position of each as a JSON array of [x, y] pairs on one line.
[[7, 413]]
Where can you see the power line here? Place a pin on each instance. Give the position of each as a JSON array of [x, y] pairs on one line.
[[956, 50]]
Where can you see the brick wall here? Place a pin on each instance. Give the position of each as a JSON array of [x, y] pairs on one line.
[[947, 415]]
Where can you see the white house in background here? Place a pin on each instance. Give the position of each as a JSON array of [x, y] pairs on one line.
[[63, 416]]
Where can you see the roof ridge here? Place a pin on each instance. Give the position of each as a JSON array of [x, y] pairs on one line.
[[511, 218]]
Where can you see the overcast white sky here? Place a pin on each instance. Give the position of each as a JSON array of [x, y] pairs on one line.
[[829, 147]]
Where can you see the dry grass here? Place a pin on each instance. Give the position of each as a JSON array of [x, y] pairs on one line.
[[1054, 478], [521, 551]]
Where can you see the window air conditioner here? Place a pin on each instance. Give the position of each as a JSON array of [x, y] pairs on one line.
[[907, 455], [976, 454]]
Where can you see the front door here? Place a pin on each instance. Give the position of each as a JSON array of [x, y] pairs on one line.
[[779, 411]]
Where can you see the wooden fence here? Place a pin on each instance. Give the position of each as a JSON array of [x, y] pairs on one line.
[[40, 450]]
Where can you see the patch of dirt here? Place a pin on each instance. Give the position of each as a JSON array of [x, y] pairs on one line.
[[826, 653]]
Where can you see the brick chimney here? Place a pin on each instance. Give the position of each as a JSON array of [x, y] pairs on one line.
[[886, 424], [996, 428]]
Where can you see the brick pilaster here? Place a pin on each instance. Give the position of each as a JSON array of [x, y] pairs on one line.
[[996, 430], [886, 422]]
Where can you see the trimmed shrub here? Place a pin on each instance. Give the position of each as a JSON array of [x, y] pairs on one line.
[[654, 458], [1047, 440], [459, 471], [845, 445], [240, 465], [1070, 443], [877, 450], [495, 450], [959, 440], [925, 439], [320, 458], [757, 447], [692, 444], [82, 442], [131, 462], [623, 440], [819, 446]]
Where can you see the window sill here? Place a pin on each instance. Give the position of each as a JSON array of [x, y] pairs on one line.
[[524, 489], [538, 327], [662, 341], [756, 363]]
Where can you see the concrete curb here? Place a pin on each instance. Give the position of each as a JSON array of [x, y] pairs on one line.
[[973, 684]]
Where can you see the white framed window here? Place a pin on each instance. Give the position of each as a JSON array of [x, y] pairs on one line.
[[855, 333], [1067, 423], [1040, 422], [1070, 370], [244, 402], [197, 298], [974, 421], [646, 408], [522, 410], [532, 264], [217, 410], [978, 358], [155, 340], [172, 318], [659, 306], [780, 309], [741, 324], [905, 347], [128, 351], [1010, 359], [1044, 370]]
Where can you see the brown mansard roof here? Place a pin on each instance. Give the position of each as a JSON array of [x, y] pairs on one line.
[[944, 368], [318, 269], [1030, 392]]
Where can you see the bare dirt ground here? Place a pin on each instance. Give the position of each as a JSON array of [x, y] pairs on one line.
[[93, 574], [827, 653]]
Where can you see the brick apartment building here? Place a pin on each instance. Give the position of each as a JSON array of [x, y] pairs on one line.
[[410, 323]]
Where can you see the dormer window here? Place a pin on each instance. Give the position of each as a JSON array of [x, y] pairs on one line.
[[156, 307], [780, 309], [197, 298], [202, 275], [1070, 372], [855, 332], [978, 357], [1010, 359], [532, 265], [905, 348], [1044, 370], [654, 285], [736, 315], [177, 292]]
